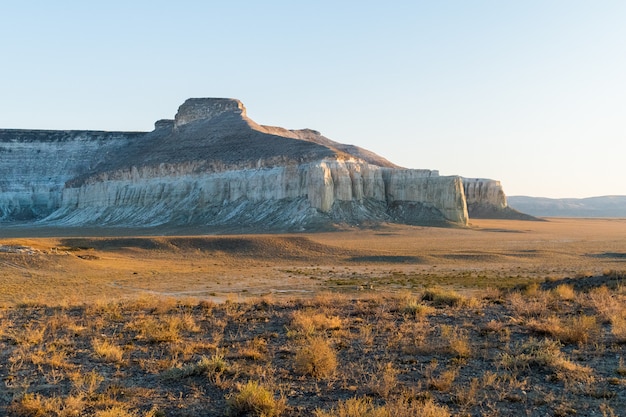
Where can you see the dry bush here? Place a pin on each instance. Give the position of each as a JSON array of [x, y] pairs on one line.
[[316, 358], [384, 380], [401, 407], [580, 329], [86, 383], [456, 341], [152, 303], [492, 326], [605, 303], [157, 330], [529, 306], [612, 309], [306, 323], [255, 400], [255, 349], [116, 411], [34, 405], [445, 297], [545, 353], [618, 328], [107, 351], [417, 309], [28, 334], [212, 367], [565, 292], [443, 381], [111, 310]]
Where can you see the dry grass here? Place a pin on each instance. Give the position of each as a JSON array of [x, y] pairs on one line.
[[255, 400], [307, 323], [383, 354], [578, 329], [364, 407], [316, 358], [107, 351]]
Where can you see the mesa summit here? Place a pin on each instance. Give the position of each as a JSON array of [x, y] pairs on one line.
[[212, 169]]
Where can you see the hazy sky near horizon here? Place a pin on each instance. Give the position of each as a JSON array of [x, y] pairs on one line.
[[532, 93]]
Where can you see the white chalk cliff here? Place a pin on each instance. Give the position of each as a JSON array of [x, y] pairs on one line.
[[215, 169]]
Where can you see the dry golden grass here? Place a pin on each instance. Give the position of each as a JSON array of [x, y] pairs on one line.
[[368, 324], [578, 329], [107, 351], [316, 357], [255, 400], [364, 407], [384, 380], [307, 323]]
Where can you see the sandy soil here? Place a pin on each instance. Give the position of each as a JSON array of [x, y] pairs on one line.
[[489, 253]]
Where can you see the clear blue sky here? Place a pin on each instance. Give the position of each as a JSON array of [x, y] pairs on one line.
[[532, 93]]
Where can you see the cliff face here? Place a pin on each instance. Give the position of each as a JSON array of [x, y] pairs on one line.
[[35, 165], [212, 166], [486, 199]]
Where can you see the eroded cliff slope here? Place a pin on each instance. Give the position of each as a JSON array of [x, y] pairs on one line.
[[214, 168]]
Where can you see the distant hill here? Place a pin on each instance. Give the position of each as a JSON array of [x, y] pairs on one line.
[[605, 206]]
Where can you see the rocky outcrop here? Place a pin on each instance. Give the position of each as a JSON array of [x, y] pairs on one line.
[[486, 200], [213, 167]]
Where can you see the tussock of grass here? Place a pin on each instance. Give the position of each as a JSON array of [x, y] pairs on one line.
[[79, 361], [579, 329], [255, 400], [107, 351], [316, 358], [364, 407], [307, 323], [444, 297], [545, 354]]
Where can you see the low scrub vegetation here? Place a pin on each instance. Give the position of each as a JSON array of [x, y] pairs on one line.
[[438, 352]]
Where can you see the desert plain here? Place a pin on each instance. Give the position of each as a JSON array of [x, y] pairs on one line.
[[490, 253], [500, 318]]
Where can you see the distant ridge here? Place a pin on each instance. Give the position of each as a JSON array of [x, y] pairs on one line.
[[603, 206]]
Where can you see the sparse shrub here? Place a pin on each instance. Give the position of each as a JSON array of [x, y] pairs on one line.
[[578, 329], [605, 303], [353, 407], [35, 405], [417, 309], [466, 395], [456, 341], [107, 351], [364, 407], [545, 353], [526, 306], [316, 358], [86, 383], [443, 381], [444, 297], [492, 326], [384, 380], [210, 366], [28, 335], [565, 292], [157, 330], [255, 349], [305, 323], [255, 400], [116, 411], [618, 327], [532, 289]]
